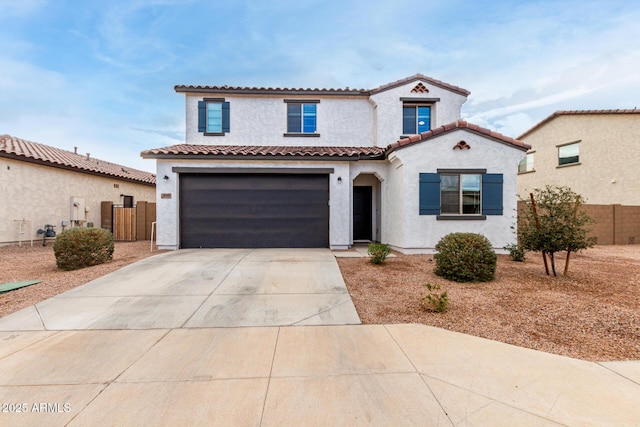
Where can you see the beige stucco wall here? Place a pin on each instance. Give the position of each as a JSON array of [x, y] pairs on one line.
[[43, 194], [609, 157]]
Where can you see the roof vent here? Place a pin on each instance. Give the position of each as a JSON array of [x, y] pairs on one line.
[[420, 88], [462, 144], [88, 155], [75, 150]]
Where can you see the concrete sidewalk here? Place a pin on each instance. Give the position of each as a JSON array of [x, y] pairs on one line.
[[197, 288], [376, 375]]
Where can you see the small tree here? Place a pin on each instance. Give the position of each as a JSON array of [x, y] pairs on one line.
[[553, 222]]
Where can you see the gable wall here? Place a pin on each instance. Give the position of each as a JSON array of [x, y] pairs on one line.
[[424, 231], [389, 109], [43, 194]]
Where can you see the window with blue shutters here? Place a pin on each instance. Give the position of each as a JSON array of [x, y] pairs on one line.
[[461, 194], [302, 117], [213, 116]]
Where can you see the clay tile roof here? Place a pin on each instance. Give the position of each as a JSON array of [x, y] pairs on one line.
[[415, 77], [34, 152], [270, 90], [575, 113], [316, 91], [264, 151], [460, 124]]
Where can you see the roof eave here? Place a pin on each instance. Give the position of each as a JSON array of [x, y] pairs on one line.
[[429, 80], [201, 156], [397, 146], [269, 91], [71, 168]]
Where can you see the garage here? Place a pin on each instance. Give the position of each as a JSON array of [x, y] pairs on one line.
[[254, 210]]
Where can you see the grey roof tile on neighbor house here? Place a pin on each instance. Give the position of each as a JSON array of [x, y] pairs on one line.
[[21, 149]]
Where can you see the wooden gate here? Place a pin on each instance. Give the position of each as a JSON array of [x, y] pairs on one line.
[[124, 223]]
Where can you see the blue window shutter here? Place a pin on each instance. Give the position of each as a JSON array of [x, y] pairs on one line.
[[492, 194], [429, 194], [226, 122], [202, 116]]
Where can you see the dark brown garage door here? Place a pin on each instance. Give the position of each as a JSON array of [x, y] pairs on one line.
[[254, 210]]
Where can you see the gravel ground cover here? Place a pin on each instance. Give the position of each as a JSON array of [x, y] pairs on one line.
[[38, 263], [592, 314]]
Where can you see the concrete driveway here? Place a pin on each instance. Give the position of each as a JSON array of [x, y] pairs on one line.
[[149, 345], [198, 288]]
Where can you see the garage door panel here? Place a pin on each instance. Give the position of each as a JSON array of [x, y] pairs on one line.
[[254, 210], [293, 196]]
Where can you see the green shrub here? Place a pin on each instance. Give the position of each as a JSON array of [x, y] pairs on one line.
[[83, 247], [517, 253], [465, 257], [378, 252], [435, 301]]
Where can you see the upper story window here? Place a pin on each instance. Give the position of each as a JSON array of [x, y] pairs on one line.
[[569, 154], [213, 116], [526, 164], [416, 118], [302, 118]]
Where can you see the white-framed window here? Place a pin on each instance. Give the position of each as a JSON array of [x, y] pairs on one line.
[[569, 154], [526, 164]]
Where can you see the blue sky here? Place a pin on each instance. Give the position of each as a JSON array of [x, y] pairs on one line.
[[100, 74]]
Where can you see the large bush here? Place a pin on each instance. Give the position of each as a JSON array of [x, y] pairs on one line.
[[83, 247], [465, 257]]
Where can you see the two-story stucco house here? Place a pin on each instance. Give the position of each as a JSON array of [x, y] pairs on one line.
[[278, 167], [595, 152]]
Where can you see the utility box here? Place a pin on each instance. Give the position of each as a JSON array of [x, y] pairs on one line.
[[78, 210]]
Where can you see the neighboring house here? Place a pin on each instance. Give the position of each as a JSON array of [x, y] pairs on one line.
[[42, 185], [596, 154], [278, 167]]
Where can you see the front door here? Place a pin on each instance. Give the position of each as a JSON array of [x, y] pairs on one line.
[[362, 213]]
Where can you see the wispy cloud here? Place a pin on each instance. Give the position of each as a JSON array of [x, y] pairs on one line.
[[13, 8], [101, 74]]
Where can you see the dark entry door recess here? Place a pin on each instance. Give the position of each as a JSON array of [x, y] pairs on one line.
[[362, 213], [254, 210]]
